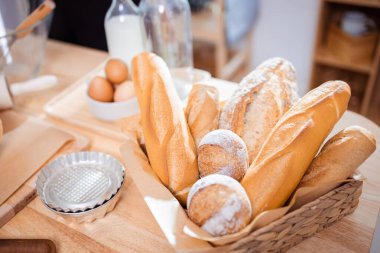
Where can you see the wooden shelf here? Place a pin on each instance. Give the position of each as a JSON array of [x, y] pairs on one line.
[[323, 56], [204, 22], [208, 26], [362, 3], [328, 61]]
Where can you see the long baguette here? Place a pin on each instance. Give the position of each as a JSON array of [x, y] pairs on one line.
[[169, 144], [1, 129], [340, 156], [202, 110], [292, 144], [262, 98]]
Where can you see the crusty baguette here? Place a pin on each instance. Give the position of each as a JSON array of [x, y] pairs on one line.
[[202, 111], [1, 129], [340, 156], [262, 98], [292, 144], [169, 144]]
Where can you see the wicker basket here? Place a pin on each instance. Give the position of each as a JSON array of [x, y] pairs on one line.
[[351, 48], [294, 227], [278, 236]]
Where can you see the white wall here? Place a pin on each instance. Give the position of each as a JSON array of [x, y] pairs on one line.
[[287, 28]]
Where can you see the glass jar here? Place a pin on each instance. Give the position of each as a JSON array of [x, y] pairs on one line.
[[124, 30], [168, 31]]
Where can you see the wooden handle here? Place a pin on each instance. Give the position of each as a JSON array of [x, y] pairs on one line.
[[40, 13]]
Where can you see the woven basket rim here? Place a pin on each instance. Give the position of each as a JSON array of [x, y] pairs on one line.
[[296, 212]]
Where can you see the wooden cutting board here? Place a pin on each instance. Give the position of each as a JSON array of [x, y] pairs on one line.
[[25, 192], [27, 246], [70, 106]]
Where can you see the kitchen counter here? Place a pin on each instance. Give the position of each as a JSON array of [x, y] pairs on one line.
[[130, 227]]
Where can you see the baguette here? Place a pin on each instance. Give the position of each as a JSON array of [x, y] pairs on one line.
[[1, 129], [292, 144], [202, 111], [169, 144], [261, 99], [340, 157]]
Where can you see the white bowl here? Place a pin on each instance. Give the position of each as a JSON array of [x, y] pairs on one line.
[[184, 79], [113, 110]]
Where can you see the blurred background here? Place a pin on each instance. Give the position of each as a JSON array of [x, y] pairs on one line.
[[324, 39]]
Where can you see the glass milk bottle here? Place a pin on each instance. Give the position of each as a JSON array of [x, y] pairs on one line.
[[168, 28], [124, 30]]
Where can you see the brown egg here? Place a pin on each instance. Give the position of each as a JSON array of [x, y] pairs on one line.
[[124, 91], [116, 71], [100, 89]]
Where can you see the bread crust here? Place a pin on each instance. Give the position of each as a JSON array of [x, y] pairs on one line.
[[219, 205], [169, 144], [1, 129], [340, 156], [292, 144], [223, 152], [202, 110], [262, 98]]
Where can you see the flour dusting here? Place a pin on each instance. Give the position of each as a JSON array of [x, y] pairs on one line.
[[215, 179], [226, 219], [227, 140]]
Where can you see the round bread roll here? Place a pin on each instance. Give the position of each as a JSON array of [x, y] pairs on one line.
[[223, 152], [219, 205]]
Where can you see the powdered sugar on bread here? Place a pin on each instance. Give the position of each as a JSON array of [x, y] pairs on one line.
[[215, 179], [225, 219], [224, 152], [233, 110], [262, 98], [225, 139], [233, 215]]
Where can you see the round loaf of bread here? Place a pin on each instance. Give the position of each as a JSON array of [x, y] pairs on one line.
[[223, 152], [219, 205]]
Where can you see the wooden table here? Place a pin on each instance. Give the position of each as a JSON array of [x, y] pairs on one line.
[[131, 227]]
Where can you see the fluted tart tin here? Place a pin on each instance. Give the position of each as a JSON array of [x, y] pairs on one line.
[[91, 214], [79, 182]]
